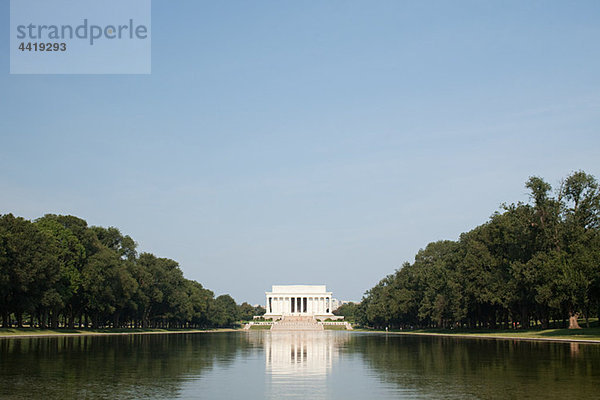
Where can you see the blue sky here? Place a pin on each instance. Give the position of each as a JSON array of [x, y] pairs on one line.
[[309, 142]]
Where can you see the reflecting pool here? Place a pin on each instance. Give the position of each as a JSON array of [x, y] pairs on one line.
[[296, 365]]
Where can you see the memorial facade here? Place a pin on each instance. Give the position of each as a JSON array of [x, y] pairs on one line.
[[299, 300]]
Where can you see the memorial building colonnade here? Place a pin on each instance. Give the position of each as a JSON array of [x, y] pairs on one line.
[[309, 305], [301, 300]]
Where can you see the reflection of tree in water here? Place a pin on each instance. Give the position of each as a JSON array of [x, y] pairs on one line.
[[488, 369], [131, 366]]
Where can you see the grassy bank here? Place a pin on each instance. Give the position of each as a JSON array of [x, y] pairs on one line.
[[34, 332], [334, 327], [585, 334], [260, 327]]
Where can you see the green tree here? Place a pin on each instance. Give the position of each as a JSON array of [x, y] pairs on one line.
[[29, 267], [581, 212], [200, 300], [246, 311], [224, 311], [349, 311], [70, 256], [112, 238], [109, 287]]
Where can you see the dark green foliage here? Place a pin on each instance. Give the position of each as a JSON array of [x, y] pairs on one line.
[[349, 311], [59, 272], [531, 263], [29, 269], [224, 311], [246, 312]]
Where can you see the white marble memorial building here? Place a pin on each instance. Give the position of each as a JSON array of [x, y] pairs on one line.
[[299, 300]]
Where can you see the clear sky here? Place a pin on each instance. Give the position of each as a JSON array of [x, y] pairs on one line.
[[309, 142]]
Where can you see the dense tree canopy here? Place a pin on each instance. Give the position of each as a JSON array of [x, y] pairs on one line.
[[348, 311], [529, 264], [57, 271]]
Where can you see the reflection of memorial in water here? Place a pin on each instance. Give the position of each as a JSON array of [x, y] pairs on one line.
[[299, 353], [301, 359]]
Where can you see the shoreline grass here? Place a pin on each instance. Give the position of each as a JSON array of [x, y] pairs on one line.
[[591, 335], [588, 335], [334, 327], [260, 327], [36, 332]]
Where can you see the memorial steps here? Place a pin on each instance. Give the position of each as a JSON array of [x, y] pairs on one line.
[[297, 323]]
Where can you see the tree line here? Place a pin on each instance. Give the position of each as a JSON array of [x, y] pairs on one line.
[[530, 264], [57, 271]]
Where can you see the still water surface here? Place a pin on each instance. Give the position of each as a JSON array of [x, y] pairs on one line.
[[295, 365]]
